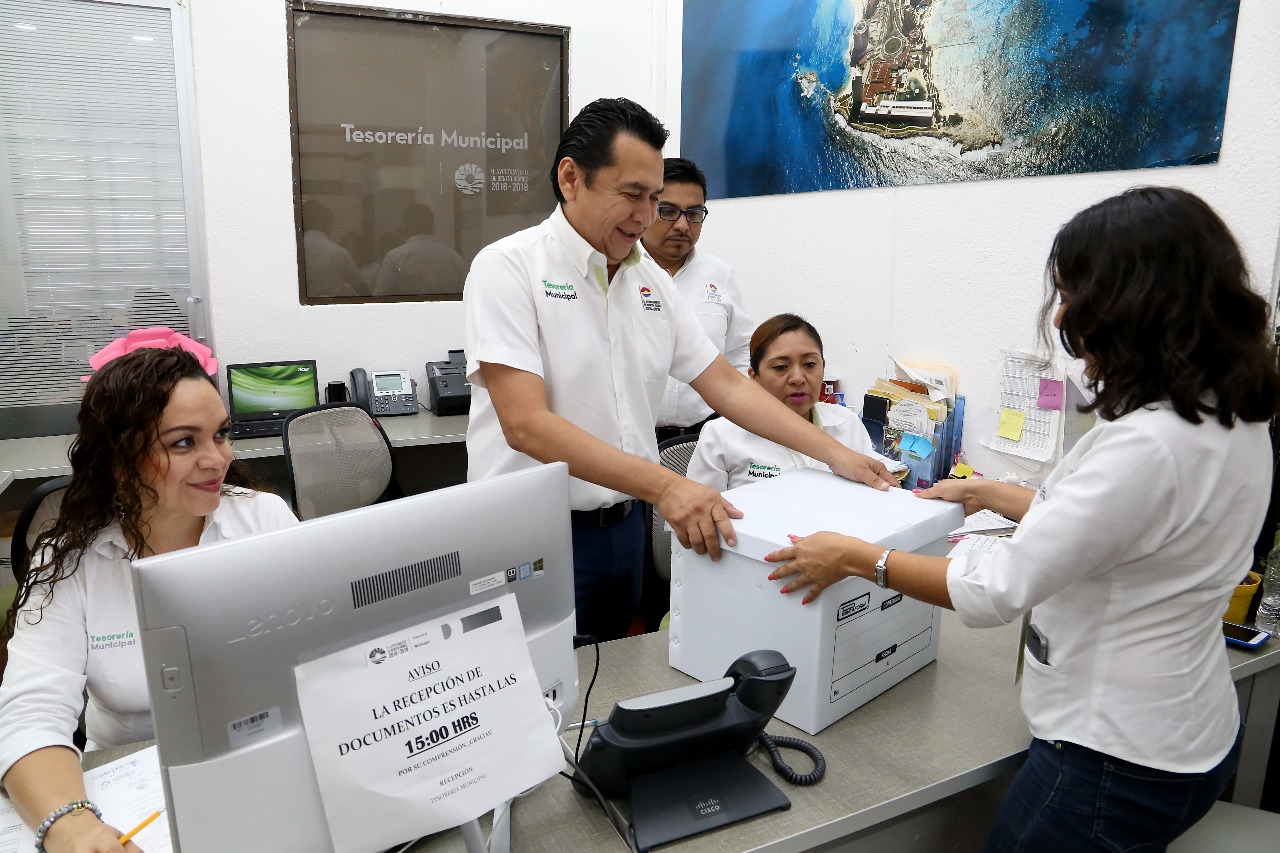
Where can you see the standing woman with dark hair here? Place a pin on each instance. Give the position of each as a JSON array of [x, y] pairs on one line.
[[151, 473], [1128, 554]]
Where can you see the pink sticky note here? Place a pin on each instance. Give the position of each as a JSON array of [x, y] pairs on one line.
[[1050, 394]]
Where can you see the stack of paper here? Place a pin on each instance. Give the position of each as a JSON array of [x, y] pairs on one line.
[[987, 523]]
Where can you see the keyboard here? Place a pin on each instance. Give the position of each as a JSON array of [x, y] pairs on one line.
[[257, 429]]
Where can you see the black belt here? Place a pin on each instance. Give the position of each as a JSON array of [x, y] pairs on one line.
[[666, 433], [602, 517]]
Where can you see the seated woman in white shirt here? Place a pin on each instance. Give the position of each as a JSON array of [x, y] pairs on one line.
[[1127, 556], [786, 359], [151, 473]]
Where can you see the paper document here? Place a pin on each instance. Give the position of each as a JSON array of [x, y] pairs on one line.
[[127, 790], [910, 416], [985, 521], [893, 465], [972, 544], [938, 378], [1025, 429]]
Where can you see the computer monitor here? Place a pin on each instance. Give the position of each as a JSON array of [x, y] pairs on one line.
[[223, 626], [261, 395]]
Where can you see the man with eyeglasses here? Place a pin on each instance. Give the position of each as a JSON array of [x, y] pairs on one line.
[[705, 281]]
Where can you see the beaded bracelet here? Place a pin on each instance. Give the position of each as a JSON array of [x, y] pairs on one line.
[[69, 808]]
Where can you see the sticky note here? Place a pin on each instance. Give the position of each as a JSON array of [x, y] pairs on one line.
[[917, 445], [1050, 394], [962, 470], [1011, 422]]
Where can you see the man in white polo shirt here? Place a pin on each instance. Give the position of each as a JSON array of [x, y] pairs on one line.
[[568, 362], [706, 283]]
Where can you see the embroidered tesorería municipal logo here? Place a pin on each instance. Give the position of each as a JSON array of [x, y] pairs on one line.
[[558, 291], [762, 472]]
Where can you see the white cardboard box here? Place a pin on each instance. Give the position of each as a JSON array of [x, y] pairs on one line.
[[856, 641]]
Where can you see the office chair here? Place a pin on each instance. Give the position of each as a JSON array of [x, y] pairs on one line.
[[37, 514], [338, 459], [674, 453]]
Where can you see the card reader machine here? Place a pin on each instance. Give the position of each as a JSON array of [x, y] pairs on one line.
[[448, 391]]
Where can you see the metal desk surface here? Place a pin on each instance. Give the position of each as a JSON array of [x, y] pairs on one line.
[[952, 726], [46, 456]]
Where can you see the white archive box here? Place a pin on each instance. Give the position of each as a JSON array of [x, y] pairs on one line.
[[856, 641]]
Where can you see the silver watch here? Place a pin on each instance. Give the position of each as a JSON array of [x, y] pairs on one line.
[[882, 569]]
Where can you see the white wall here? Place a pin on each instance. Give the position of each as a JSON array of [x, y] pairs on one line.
[[970, 288]]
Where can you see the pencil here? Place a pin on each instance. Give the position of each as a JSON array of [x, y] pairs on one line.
[[131, 833]]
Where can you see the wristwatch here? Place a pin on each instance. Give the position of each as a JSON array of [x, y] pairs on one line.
[[882, 569]]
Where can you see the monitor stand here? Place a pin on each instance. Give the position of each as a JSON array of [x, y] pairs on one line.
[[675, 803]]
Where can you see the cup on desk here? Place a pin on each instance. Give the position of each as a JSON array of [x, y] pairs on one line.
[[335, 392], [1238, 609]]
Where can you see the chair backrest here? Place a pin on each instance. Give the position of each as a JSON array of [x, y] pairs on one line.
[[37, 514], [674, 453], [338, 459]]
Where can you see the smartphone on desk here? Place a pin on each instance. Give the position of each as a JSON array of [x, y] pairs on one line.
[[1247, 638], [384, 392]]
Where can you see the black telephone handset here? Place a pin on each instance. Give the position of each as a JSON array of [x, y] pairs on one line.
[[666, 729], [360, 389], [678, 755]]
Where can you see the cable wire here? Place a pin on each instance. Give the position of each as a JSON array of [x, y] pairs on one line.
[[775, 744], [578, 642]]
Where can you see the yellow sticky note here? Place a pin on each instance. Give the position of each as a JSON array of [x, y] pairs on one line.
[[962, 470], [1011, 422]]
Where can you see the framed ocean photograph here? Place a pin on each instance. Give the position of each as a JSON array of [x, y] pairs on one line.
[[805, 95]]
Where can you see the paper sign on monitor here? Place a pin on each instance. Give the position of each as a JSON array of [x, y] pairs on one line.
[[426, 728]]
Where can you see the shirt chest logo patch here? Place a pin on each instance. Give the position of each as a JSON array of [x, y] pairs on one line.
[[648, 300], [713, 293], [756, 471], [119, 640], [558, 291]]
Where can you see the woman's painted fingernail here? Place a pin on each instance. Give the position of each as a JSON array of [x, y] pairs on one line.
[[916, 491], [792, 536], [773, 577], [768, 558]]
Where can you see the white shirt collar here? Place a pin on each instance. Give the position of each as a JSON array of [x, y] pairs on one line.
[[218, 525], [579, 251]]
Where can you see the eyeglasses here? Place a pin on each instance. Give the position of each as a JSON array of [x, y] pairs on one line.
[[670, 213]]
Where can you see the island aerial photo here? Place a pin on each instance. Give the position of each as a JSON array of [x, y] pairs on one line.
[[804, 95]]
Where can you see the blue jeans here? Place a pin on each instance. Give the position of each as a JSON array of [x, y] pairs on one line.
[[1070, 798], [608, 565]]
